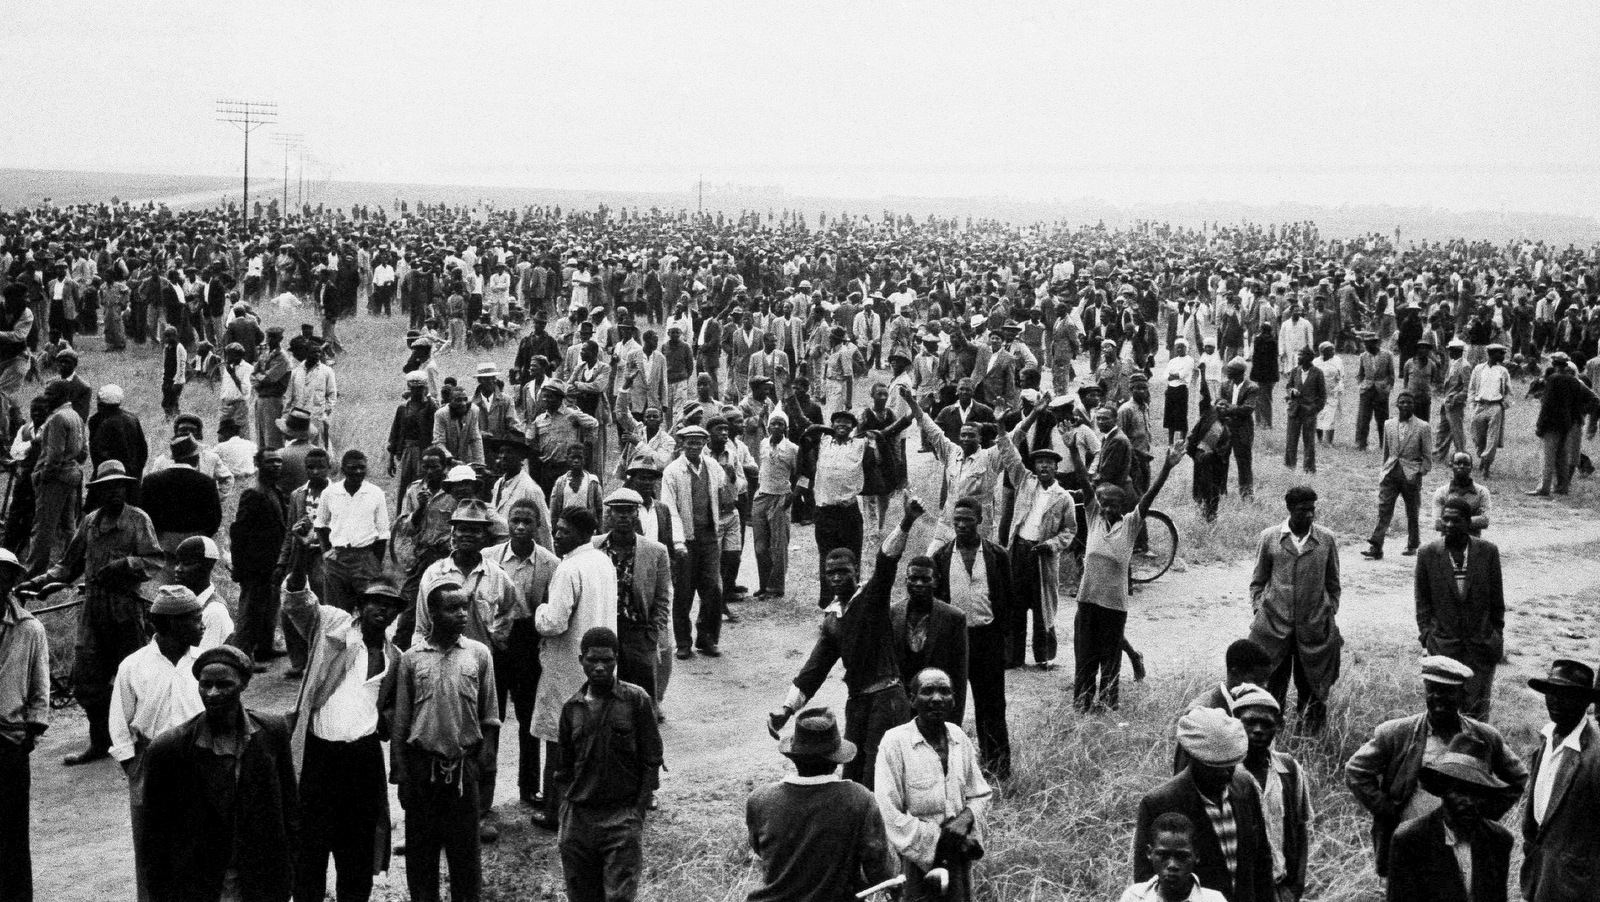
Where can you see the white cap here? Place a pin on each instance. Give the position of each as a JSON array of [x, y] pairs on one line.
[[110, 394], [461, 473]]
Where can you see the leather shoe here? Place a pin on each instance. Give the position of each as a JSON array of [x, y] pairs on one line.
[[709, 650], [488, 832], [1409, 552], [544, 821], [684, 654], [1372, 554]]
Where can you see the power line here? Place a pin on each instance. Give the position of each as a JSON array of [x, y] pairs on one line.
[[248, 115], [288, 141]]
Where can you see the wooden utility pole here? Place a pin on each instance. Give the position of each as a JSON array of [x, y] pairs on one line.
[[248, 115]]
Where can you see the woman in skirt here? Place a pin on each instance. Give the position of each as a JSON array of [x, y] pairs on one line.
[[1175, 407], [1332, 368]]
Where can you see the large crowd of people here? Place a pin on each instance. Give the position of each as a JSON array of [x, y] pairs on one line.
[[654, 396]]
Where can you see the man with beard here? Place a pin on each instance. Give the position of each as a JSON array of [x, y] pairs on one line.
[[858, 630], [115, 548]]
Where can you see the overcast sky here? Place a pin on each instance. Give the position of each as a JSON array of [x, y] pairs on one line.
[[1462, 105]]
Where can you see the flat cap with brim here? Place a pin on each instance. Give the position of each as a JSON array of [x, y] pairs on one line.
[[226, 655], [1212, 736], [175, 600], [416, 377], [1049, 454], [554, 386], [1565, 675], [461, 473], [1445, 671], [472, 511], [111, 471], [692, 431], [624, 497], [198, 547], [1060, 403], [1456, 343], [1249, 695], [383, 588], [644, 462], [816, 735], [842, 415], [1497, 346], [110, 394]]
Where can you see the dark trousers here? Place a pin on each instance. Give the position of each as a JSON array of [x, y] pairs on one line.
[[1264, 405], [517, 670], [1301, 430], [601, 854], [637, 662], [1371, 406], [1028, 604], [16, 860], [866, 718], [1210, 477], [986, 672], [258, 614], [344, 800], [838, 526], [1097, 646], [1392, 486], [1309, 703], [1243, 454], [348, 573], [441, 816], [701, 574]]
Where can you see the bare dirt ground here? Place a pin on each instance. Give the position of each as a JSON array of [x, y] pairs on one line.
[[717, 748]]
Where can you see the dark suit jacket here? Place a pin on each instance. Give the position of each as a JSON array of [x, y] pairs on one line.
[[1252, 877], [1313, 390], [258, 529], [1240, 418], [945, 648], [182, 499], [188, 841], [1466, 627], [1561, 857], [1429, 872], [949, 419], [995, 563]]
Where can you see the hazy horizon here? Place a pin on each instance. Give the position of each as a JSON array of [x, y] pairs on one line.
[[1465, 106]]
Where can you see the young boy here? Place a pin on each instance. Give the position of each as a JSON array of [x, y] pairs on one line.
[[1171, 854], [577, 487], [1279, 776], [444, 703]]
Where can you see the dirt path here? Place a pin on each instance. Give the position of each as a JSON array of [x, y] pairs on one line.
[[715, 743]]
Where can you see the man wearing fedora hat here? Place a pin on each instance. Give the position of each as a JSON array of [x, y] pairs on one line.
[[1383, 773], [270, 381], [115, 547], [295, 429], [1374, 380], [1457, 853], [1560, 835], [819, 838], [24, 717], [180, 500], [497, 416]]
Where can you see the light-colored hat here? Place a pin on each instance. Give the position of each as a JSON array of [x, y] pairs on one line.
[[175, 600], [416, 377], [111, 471], [8, 557], [422, 342], [1445, 671], [110, 394], [486, 370], [201, 545], [472, 510], [693, 432], [556, 386], [1030, 395], [645, 462], [624, 497], [461, 473], [1249, 695], [1212, 736], [1497, 346]]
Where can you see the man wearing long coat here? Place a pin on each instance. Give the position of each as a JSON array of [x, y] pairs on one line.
[[1295, 592]]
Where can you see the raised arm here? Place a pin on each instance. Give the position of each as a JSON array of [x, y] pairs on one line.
[[1174, 454]]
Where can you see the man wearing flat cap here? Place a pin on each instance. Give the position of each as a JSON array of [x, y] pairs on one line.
[[1457, 853], [222, 812], [155, 690], [818, 837], [1222, 802], [1560, 836], [1384, 773], [552, 433]]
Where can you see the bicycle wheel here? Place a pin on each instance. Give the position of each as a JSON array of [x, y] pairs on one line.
[[1148, 566]]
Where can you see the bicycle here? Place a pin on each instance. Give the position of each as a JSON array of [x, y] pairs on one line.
[[1162, 536]]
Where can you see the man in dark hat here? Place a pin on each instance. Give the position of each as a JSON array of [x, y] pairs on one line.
[[257, 535], [271, 381], [341, 715], [115, 547], [819, 838], [1457, 853], [222, 813], [1375, 374], [25, 685], [1235, 406], [294, 430], [1559, 832], [842, 461], [1384, 773], [180, 500]]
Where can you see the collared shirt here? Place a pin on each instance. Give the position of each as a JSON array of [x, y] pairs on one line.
[[1544, 785], [24, 674], [317, 390], [495, 599], [532, 580], [1408, 446], [353, 521], [1299, 541], [351, 712], [969, 589], [1490, 383], [444, 698], [610, 749], [551, 435], [1274, 806], [778, 464], [150, 696], [1150, 891], [841, 472], [1031, 524], [214, 618], [1476, 495], [917, 792], [1224, 825], [431, 530], [521, 487]]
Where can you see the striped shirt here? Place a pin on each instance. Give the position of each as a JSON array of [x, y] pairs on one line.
[[1226, 828]]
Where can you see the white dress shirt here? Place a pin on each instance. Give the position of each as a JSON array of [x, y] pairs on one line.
[[1545, 783], [150, 696], [353, 521], [840, 470], [215, 619], [351, 712]]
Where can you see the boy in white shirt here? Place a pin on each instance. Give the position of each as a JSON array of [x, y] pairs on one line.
[[1171, 853]]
